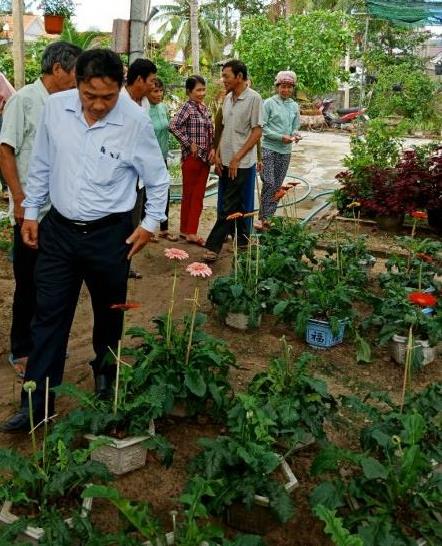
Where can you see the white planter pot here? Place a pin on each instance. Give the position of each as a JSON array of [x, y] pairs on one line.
[[34, 534], [240, 321], [122, 456], [399, 349], [367, 263]]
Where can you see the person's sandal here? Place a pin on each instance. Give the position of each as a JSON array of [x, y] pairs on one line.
[[168, 236], [209, 256]]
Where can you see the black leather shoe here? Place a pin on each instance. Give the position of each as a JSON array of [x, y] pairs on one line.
[[17, 423], [103, 386]]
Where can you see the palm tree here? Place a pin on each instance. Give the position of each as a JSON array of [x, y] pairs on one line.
[[176, 27]]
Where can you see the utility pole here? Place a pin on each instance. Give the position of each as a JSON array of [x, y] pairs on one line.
[[18, 39], [138, 15], [195, 36]]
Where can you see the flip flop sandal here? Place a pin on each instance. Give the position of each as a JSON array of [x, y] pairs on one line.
[[135, 275], [168, 237], [209, 256], [197, 242], [18, 365]]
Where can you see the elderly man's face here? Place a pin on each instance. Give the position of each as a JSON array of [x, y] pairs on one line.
[[98, 96], [285, 90]]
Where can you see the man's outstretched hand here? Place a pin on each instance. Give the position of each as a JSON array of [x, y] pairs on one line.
[[139, 239]]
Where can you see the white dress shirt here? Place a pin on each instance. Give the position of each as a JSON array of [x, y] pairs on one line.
[[91, 172]]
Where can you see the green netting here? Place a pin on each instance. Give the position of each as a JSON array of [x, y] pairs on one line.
[[407, 11]]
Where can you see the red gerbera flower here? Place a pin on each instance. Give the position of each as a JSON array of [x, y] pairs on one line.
[[279, 195], [419, 215], [422, 298], [125, 306]]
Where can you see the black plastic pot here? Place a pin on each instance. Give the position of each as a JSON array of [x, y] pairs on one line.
[[390, 223]]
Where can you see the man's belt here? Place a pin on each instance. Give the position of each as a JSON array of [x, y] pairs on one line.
[[89, 225]]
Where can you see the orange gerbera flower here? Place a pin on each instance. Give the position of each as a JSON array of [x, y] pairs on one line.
[[125, 306], [235, 216], [423, 299]]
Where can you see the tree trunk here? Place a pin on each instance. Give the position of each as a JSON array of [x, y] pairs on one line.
[[194, 36]]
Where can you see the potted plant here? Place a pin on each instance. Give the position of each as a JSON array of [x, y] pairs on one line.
[[296, 402], [55, 12], [383, 500], [124, 435], [190, 525], [236, 296], [181, 365], [398, 311], [322, 311], [242, 467], [52, 478], [417, 267]]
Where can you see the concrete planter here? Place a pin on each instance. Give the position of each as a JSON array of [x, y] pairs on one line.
[[399, 349], [32, 535], [240, 321], [122, 456], [260, 519]]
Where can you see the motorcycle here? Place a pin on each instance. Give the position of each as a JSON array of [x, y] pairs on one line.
[[345, 115]]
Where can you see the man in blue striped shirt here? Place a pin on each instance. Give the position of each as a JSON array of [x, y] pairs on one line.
[[90, 147]]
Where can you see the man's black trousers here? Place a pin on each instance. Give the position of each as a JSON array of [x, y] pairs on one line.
[[23, 306], [233, 200], [68, 255]]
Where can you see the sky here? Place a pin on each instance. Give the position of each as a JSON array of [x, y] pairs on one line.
[[100, 13]]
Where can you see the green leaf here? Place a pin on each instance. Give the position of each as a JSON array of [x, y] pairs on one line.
[[335, 528], [373, 469], [194, 381], [328, 494], [363, 350]]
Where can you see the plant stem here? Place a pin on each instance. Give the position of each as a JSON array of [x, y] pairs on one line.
[[31, 423], [192, 324], [45, 429], [295, 204], [407, 369], [170, 313], [420, 276], [235, 252], [338, 259], [117, 378], [257, 266]]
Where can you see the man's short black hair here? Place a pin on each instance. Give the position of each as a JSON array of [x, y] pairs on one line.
[[140, 67], [99, 63], [238, 67], [59, 52]]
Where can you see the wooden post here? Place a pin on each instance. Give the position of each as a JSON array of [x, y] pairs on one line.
[[18, 48]]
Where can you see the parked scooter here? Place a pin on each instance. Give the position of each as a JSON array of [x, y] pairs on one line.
[[345, 116]]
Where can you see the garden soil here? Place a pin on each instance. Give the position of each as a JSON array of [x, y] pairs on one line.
[[161, 486], [253, 350]]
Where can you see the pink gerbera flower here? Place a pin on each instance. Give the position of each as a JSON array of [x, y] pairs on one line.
[[175, 254], [198, 269]]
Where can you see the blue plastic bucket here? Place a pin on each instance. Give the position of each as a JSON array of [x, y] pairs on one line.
[[319, 334]]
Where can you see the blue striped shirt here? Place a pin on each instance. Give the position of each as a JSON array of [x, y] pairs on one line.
[[90, 172]]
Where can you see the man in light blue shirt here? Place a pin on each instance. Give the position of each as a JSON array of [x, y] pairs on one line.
[[90, 147]]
